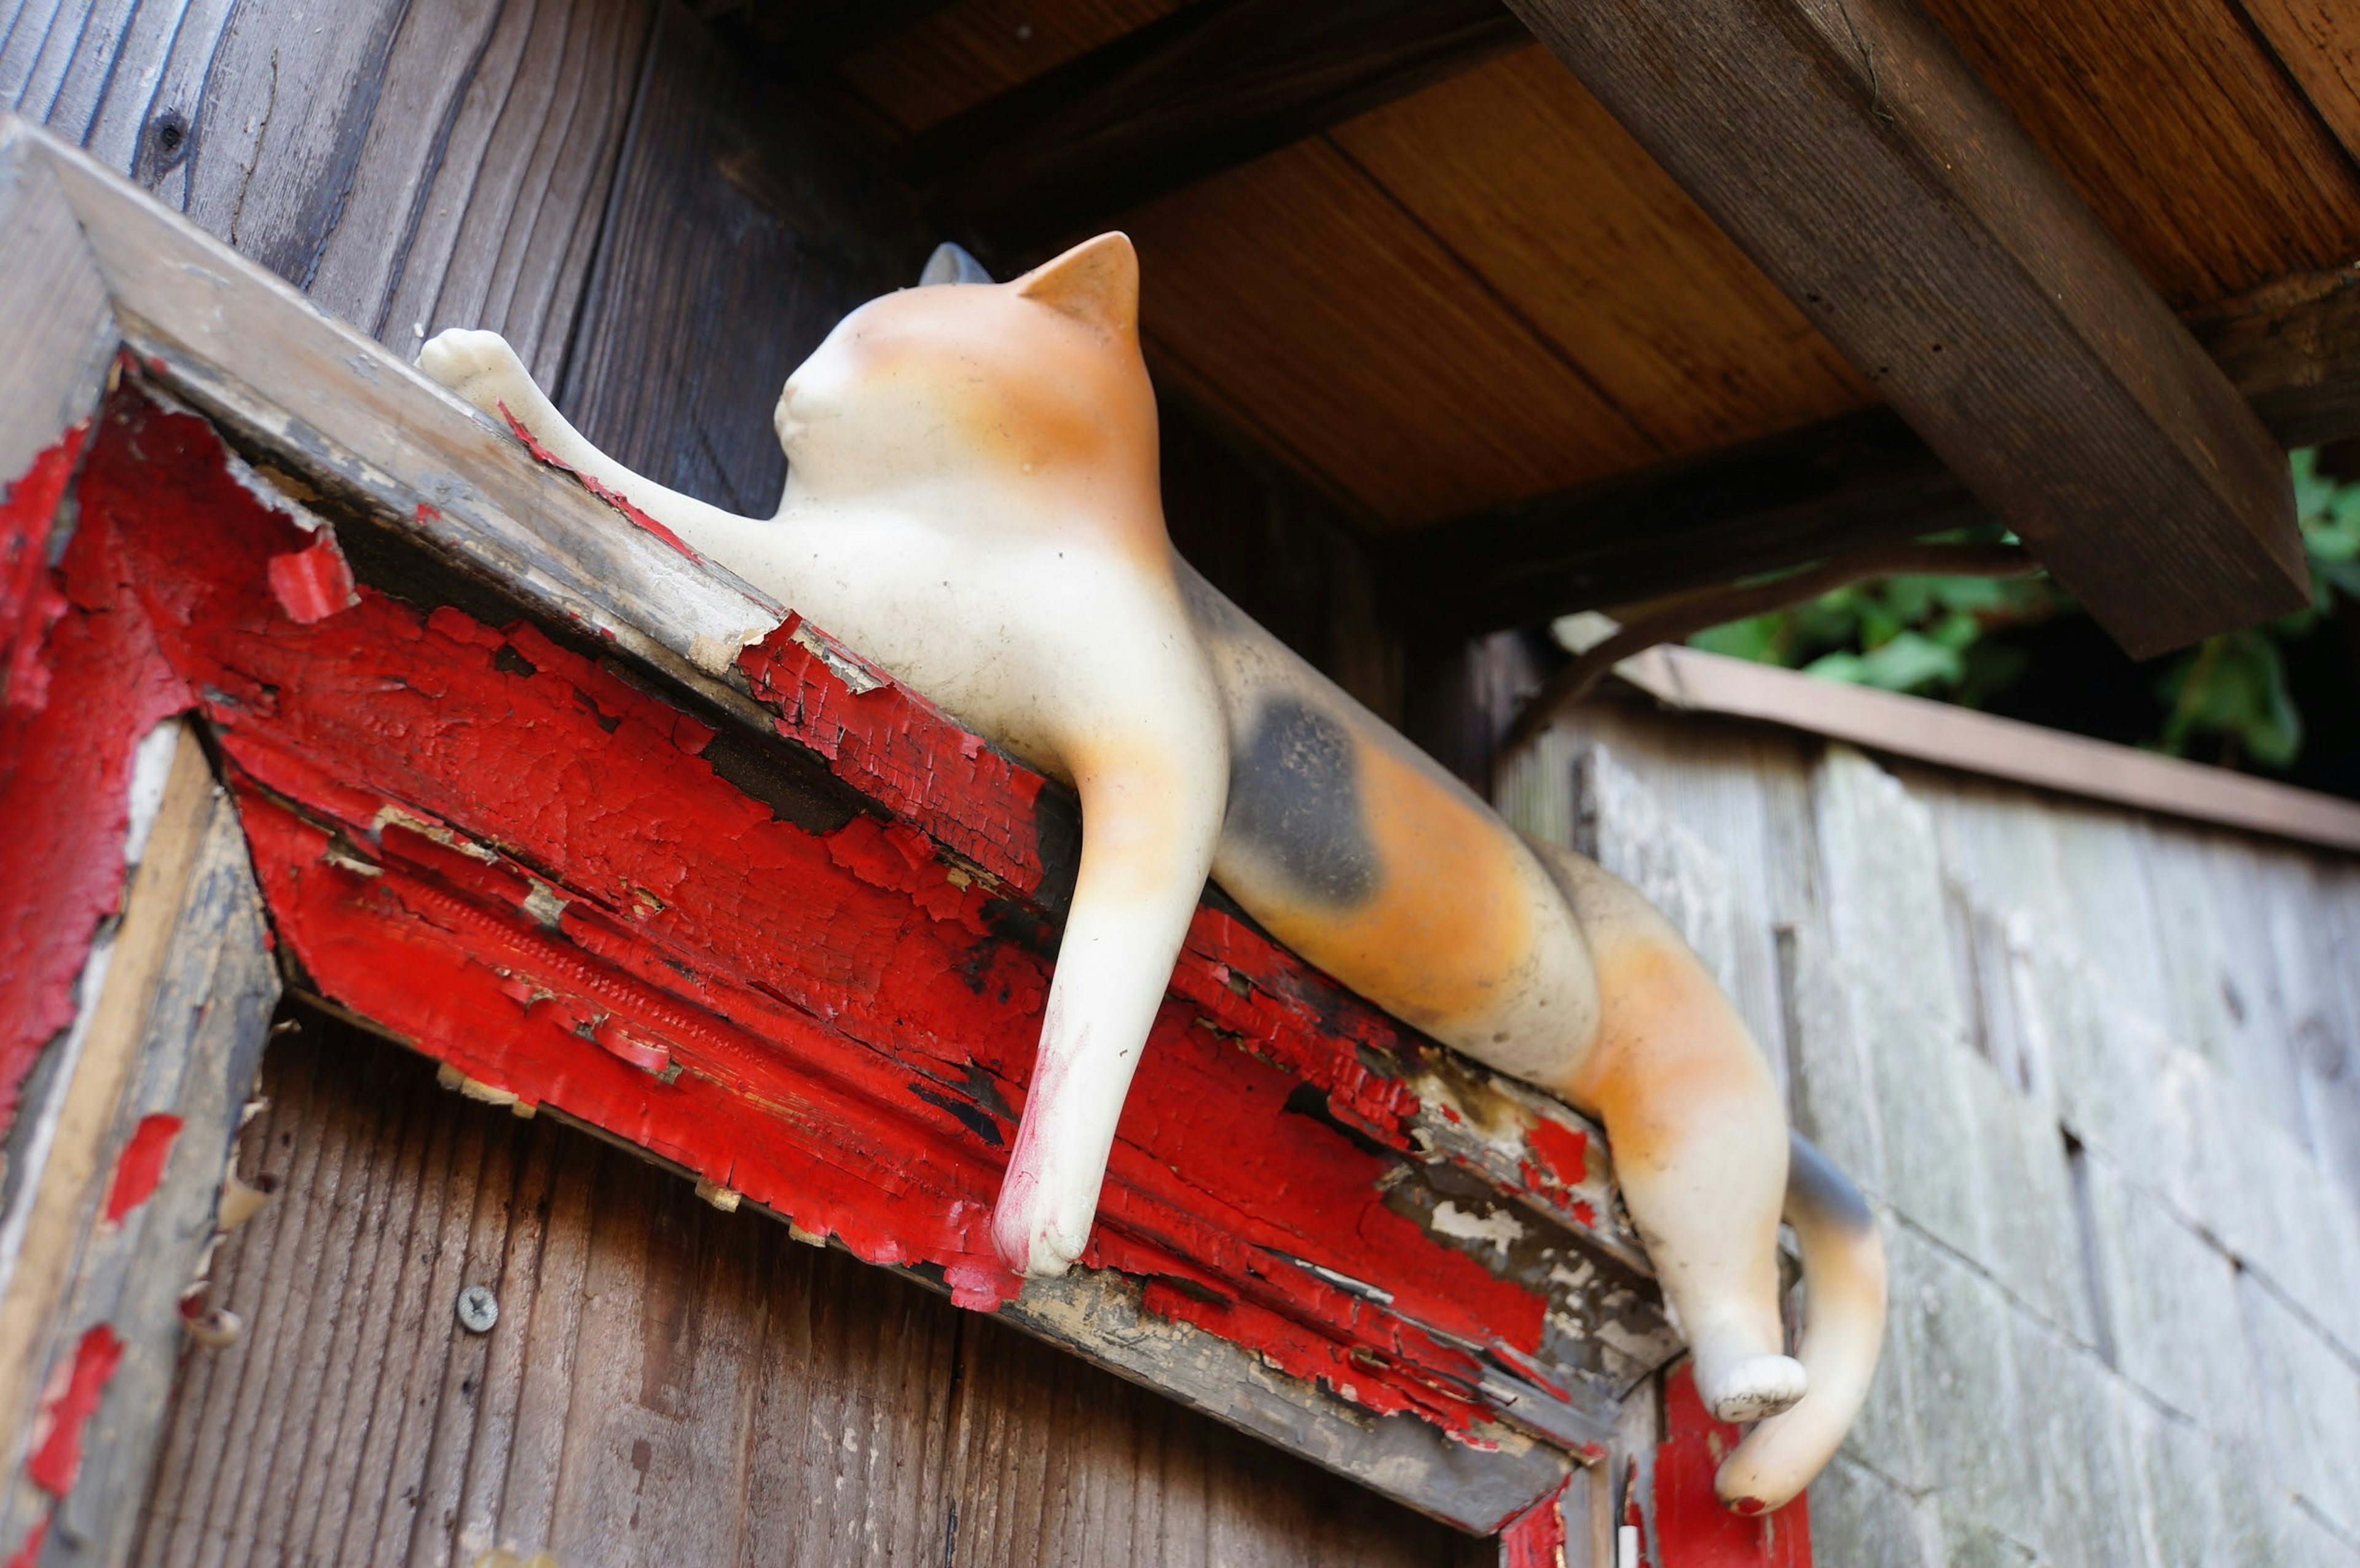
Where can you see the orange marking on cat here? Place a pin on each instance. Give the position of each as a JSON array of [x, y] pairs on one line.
[[1446, 928]]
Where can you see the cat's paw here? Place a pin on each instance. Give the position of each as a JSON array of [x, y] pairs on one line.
[[1753, 1389], [1036, 1232], [479, 367]]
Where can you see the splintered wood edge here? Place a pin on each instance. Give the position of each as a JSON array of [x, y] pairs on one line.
[[59, 1210]]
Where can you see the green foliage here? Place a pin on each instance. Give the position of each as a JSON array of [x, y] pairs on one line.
[[1905, 634], [1934, 636], [2233, 688]]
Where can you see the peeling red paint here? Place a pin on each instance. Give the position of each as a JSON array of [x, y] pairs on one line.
[[66, 1408], [525, 864], [312, 584], [140, 1167], [85, 681], [1535, 1538], [1693, 1530], [613, 498]]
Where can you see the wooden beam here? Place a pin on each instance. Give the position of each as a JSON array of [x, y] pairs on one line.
[[1210, 87], [1850, 483], [2291, 348], [803, 39], [1863, 166]]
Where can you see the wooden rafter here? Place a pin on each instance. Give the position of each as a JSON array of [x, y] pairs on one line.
[[2291, 348], [1206, 89], [1868, 172]]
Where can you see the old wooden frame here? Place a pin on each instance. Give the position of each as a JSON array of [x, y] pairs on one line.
[[111, 304]]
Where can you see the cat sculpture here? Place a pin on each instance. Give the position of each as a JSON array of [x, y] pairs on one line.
[[973, 502]]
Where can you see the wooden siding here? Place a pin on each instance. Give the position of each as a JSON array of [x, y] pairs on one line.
[[2096, 1072], [666, 1383]]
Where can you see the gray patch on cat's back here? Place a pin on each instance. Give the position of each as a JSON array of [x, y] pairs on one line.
[[952, 264], [1295, 802]]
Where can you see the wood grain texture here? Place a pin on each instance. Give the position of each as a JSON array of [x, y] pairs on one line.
[[1862, 165], [1056, 1464], [736, 240], [1317, 308], [666, 1383], [1206, 89], [412, 166], [2176, 127], [1550, 203], [57, 324], [2318, 41], [176, 1041], [976, 49]]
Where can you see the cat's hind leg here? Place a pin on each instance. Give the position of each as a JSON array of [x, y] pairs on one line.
[[1698, 1133]]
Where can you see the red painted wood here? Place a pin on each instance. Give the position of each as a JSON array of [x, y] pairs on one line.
[[67, 1407], [84, 681], [522, 863], [140, 1166], [1692, 1528], [1535, 1538]]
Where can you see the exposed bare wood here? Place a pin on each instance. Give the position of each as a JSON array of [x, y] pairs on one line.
[[1983, 744], [2293, 347], [1862, 165], [1206, 89], [175, 1038], [666, 1382], [57, 326]]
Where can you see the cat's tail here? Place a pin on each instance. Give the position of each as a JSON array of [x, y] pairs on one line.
[[1843, 1330]]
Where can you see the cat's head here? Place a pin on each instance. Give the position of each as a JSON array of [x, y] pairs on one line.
[[1037, 382]]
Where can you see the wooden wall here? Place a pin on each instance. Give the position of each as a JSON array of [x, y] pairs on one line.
[[2100, 1075], [665, 1384]]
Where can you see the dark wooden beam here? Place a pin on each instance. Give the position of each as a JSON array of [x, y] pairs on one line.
[[2291, 348], [1210, 87], [1863, 480], [803, 38], [1868, 172]]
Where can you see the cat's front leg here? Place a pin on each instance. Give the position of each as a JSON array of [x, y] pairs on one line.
[[1151, 767], [482, 368]]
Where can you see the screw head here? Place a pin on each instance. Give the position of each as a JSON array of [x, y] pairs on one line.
[[478, 1309]]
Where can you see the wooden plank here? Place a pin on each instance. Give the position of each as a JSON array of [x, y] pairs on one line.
[[807, 37], [1853, 483], [1206, 89], [421, 166], [704, 1384], [56, 325], [2194, 148], [1445, 401], [2320, 47], [1692, 682], [2291, 347], [710, 153], [975, 50], [1631, 280], [1054, 1465], [1865, 169], [126, 1203], [663, 1377]]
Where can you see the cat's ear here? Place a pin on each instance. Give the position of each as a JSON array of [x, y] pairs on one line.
[[1096, 283]]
